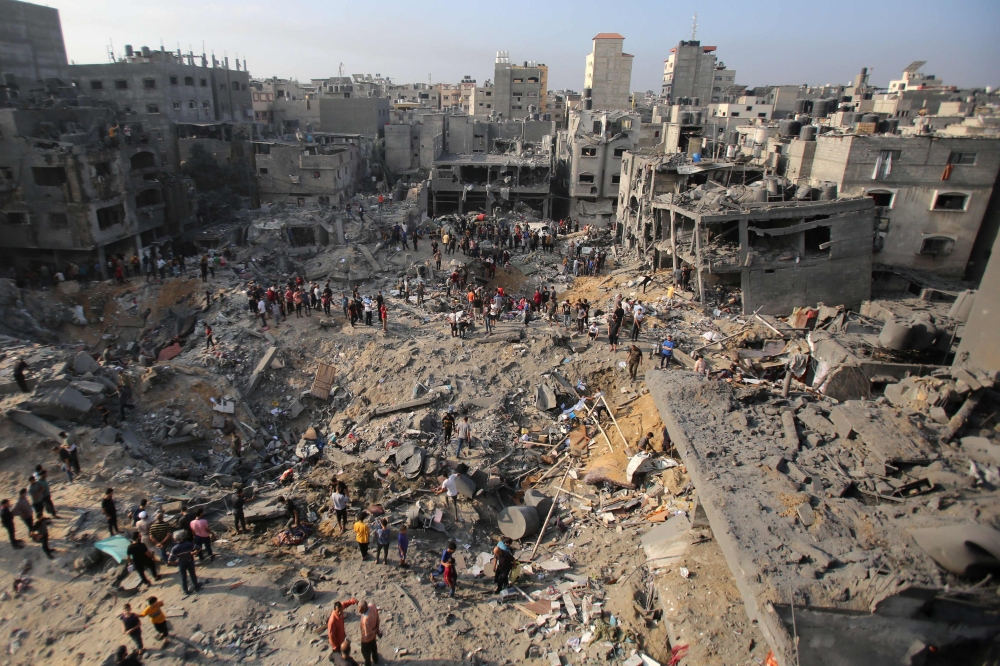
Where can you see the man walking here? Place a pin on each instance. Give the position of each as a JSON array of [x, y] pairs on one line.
[[666, 352], [208, 336], [464, 435], [7, 518], [202, 536], [340, 500], [634, 360], [239, 518], [110, 511], [370, 632], [182, 555], [503, 556], [362, 535], [22, 509], [138, 555], [450, 486]]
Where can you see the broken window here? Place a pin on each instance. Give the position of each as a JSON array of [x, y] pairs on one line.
[[882, 198], [13, 218], [936, 245], [817, 240], [110, 216], [177, 105], [950, 201], [619, 152], [965, 159], [49, 176], [626, 123], [598, 127], [152, 108], [263, 171], [149, 197], [586, 178], [616, 180], [884, 162], [149, 84], [58, 220], [96, 85], [588, 151], [121, 84]]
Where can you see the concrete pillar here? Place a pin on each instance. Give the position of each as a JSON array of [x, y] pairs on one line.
[[673, 235], [545, 206], [138, 245], [701, 280], [102, 259], [461, 203], [339, 226]]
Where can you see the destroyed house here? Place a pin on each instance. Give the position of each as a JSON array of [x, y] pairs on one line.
[[482, 182], [781, 254], [318, 171]]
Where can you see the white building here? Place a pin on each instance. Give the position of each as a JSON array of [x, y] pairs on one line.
[[744, 107], [609, 73]]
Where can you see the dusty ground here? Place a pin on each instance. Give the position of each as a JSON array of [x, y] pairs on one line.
[[494, 383]]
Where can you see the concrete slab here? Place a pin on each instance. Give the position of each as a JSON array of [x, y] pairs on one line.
[[84, 363], [258, 372], [35, 423], [60, 403]]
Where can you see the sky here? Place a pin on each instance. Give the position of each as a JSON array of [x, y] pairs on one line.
[[808, 42]]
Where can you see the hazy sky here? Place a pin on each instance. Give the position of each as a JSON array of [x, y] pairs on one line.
[[786, 43]]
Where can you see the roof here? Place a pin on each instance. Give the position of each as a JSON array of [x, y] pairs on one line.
[[627, 55], [608, 35]]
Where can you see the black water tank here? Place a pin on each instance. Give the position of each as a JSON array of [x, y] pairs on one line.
[[807, 133]]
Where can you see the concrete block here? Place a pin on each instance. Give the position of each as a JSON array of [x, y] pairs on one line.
[[106, 436], [89, 388], [806, 514], [60, 368], [938, 415], [258, 372], [225, 406], [545, 398], [63, 403], [842, 422], [84, 363], [777, 463], [296, 408], [796, 474]]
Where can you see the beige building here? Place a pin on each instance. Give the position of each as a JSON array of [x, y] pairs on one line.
[[609, 73]]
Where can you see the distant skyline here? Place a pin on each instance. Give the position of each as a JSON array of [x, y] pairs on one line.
[[805, 43]]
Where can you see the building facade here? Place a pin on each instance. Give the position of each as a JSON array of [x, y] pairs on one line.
[[326, 170], [31, 43], [689, 72], [518, 90], [608, 74]]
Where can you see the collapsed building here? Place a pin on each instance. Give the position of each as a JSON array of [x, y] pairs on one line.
[[484, 182], [323, 168]]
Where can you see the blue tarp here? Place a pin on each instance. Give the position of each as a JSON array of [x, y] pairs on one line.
[[114, 546]]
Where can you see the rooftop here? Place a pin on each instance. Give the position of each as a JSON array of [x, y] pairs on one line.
[[608, 35]]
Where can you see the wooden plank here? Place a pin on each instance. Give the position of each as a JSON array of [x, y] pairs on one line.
[[323, 382]]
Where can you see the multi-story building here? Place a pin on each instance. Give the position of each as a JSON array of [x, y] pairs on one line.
[[450, 96], [159, 89], [468, 89], [590, 155], [555, 108], [31, 43], [482, 99], [325, 170], [518, 90], [743, 107], [608, 75], [418, 94], [690, 71]]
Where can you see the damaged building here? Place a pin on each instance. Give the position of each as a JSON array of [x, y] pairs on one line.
[[589, 155], [487, 182], [323, 168]]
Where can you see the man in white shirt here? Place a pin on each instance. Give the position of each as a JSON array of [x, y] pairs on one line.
[[450, 486], [464, 435], [638, 314], [340, 500]]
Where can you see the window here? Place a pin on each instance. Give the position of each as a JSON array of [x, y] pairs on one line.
[[588, 151], [14, 218], [656, 134], [49, 176], [936, 245], [489, 106], [110, 216], [96, 85], [586, 178], [222, 86], [518, 81], [882, 198], [616, 180], [152, 108], [192, 105], [158, 134], [143, 160], [489, 94], [102, 168], [627, 123], [121, 84], [150, 197], [263, 171], [177, 105], [762, 115], [205, 104], [236, 85], [58, 220], [734, 114], [189, 80], [204, 83], [965, 159], [950, 201], [173, 80], [598, 127], [619, 152], [149, 84], [316, 174], [884, 162]]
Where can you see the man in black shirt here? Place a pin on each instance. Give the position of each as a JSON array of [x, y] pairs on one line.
[[110, 511], [138, 555], [291, 511], [7, 518], [185, 522], [239, 520], [19, 375]]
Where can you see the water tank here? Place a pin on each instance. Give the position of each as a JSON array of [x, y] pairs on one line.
[[783, 127], [858, 118], [794, 127], [128, 51], [773, 187], [733, 138], [760, 195], [145, 52], [685, 118], [803, 192], [845, 98], [730, 151], [828, 191], [870, 118], [760, 135], [807, 133], [588, 93], [800, 105], [588, 104]]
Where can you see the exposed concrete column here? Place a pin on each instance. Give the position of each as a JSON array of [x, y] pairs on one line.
[[673, 233], [697, 240], [138, 245], [545, 206], [461, 202], [102, 259]]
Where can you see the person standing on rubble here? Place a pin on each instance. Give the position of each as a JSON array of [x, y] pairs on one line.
[[371, 631], [335, 632], [340, 501], [503, 563], [420, 287], [7, 518], [110, 511], [666, 352], [239, 515], [464, 435], [383, 314], [22, 509], [262, 311], [450, 486], [403, 545], [638, 315], [182, 555], [368, 308], [161, 534], [362, 534], [383, 537], [209, 340], [614, 326], [202, 536], [634, 360], [138, 555], [203, 264]]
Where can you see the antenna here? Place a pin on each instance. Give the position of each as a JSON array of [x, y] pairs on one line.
[[111, 50], [341, 69], [694, 27]]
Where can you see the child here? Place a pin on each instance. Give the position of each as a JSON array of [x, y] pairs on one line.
[[403, 543], [132, 627], [362, 534], [383, 536], [593, 331], [154, 611], [450, 575]]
